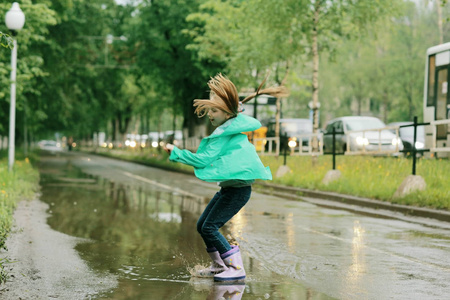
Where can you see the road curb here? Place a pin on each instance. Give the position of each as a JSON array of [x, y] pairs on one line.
[[296, 193]]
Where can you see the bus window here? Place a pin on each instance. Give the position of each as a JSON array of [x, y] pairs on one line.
[[441, 103], [431, 80]]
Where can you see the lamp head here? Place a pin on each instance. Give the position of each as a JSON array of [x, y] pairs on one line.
[[15, 18]]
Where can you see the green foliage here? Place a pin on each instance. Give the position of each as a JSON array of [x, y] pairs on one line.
[[250, 37], [72, 80], [30, 64], [382, 72], [5, 40], [177, 74]]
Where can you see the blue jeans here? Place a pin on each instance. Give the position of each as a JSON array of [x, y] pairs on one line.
[[223, 206]]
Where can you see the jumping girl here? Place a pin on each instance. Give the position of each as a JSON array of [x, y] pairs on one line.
[[226, 157]]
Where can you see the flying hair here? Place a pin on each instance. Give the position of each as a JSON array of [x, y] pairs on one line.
[[224, 96]]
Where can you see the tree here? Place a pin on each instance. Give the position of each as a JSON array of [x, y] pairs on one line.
[[162, 55], [89, 61], [30, 67], [384, 66], [275, 31]]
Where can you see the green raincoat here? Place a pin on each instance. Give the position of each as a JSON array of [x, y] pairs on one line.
[[226, 154]]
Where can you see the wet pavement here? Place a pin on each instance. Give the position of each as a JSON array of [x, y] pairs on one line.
[[139, 226]]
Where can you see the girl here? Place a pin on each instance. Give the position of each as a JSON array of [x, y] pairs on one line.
[[226, 157]]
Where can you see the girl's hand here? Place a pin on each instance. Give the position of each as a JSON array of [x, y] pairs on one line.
[[168, 148]]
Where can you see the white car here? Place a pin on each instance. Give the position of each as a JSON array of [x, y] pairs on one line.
[[51, 146], [355, 134]]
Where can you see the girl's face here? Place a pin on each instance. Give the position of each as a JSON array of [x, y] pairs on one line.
[[217, 116]]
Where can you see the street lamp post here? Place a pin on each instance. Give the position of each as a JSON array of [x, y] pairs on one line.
[[14, 19]]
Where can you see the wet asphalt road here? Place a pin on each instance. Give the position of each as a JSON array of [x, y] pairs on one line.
[[141, 224]]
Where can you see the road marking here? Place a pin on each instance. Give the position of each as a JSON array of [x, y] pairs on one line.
[[161, 185]]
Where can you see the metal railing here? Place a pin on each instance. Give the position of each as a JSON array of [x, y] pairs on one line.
[[434, 147], [268, 145], [271, 146], [382, 148], [309, 148]]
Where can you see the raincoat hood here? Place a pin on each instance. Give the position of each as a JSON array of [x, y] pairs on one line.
[[238, 124]]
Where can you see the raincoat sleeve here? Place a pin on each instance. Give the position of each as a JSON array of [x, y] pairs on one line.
[[204, 156]]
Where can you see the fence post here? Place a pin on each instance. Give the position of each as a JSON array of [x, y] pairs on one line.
[[334, 148], [414, 152]]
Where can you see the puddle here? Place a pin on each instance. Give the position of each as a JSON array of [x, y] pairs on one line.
[[146, 237]]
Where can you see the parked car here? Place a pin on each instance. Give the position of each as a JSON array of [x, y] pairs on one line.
[[290, 131], [407, 135], [357, 130], [51, 146]]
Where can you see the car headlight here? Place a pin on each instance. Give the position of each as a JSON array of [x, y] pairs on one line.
[[396, 141], [292, 144], [419, 145], [360, 141]]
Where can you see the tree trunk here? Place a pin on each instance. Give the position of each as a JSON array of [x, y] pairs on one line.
[[122, 124], [386, 106], [174, 116], [25, 131], [115, 131], [358, 100], [441, 30], [277, 117], [278, 103], [315, 79]]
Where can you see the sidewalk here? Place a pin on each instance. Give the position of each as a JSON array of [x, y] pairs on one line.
[[349, 201]]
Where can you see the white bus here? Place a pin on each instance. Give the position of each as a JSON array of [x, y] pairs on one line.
[[436, 102]]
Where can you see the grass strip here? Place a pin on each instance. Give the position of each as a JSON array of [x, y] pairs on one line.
[[20, 184], [369, 177]]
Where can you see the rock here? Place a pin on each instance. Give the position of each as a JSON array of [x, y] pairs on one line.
[[282, 171], [331, 176], [410, 184]]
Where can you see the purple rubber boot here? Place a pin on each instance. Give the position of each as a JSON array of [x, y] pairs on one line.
[[227, 291], [217, 265], [233, 261]]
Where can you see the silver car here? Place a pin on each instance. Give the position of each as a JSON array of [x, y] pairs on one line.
[[50, 146], [359, 135]]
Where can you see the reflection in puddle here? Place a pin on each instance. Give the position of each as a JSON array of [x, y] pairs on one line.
[[146, 235], [358, 265], [234, 292]]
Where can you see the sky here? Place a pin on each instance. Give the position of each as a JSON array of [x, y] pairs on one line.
[[122, 2]]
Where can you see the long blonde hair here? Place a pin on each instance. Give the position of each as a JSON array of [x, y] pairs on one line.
[[224, 96]]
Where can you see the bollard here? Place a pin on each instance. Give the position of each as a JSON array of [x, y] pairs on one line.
[[414, 150], [334, 148]]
